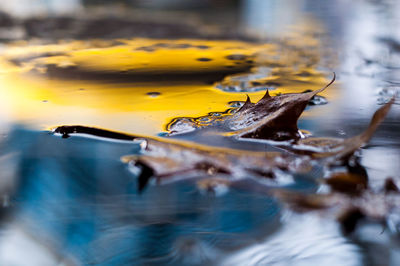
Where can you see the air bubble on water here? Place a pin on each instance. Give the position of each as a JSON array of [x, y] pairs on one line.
[[182, 125]]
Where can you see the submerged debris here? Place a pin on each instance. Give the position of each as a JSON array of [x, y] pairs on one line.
[[356, 202]]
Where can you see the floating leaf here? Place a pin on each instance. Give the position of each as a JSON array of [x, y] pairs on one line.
[[272, 118]]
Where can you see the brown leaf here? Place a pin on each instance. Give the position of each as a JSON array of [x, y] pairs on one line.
[[272, 118]]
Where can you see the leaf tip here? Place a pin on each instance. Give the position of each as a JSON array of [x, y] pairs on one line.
[[376, 120], [266, 95], [327, 85], [246, 104]]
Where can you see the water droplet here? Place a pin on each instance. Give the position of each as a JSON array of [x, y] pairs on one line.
[[318, 100]]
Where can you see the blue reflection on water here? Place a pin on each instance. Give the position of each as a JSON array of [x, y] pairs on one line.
[[77, 193]]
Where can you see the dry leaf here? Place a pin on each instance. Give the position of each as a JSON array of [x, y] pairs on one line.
[[272, 118]]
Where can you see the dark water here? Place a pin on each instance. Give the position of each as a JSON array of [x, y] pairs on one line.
[[73, 202]]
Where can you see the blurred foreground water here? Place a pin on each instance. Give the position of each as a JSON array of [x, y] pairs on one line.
[[73, 202]]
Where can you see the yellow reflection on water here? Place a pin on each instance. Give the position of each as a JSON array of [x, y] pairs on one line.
[[38, 99]]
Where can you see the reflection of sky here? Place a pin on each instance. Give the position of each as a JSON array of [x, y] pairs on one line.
[[27, 8], [76, 194], [303, 240], [265, 18]]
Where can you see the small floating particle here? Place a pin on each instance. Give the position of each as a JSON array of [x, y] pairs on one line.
[[153, 94], [45, 101], [204, 59], [202, 47]]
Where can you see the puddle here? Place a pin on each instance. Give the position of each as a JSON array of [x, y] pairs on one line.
[[73, 200]]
